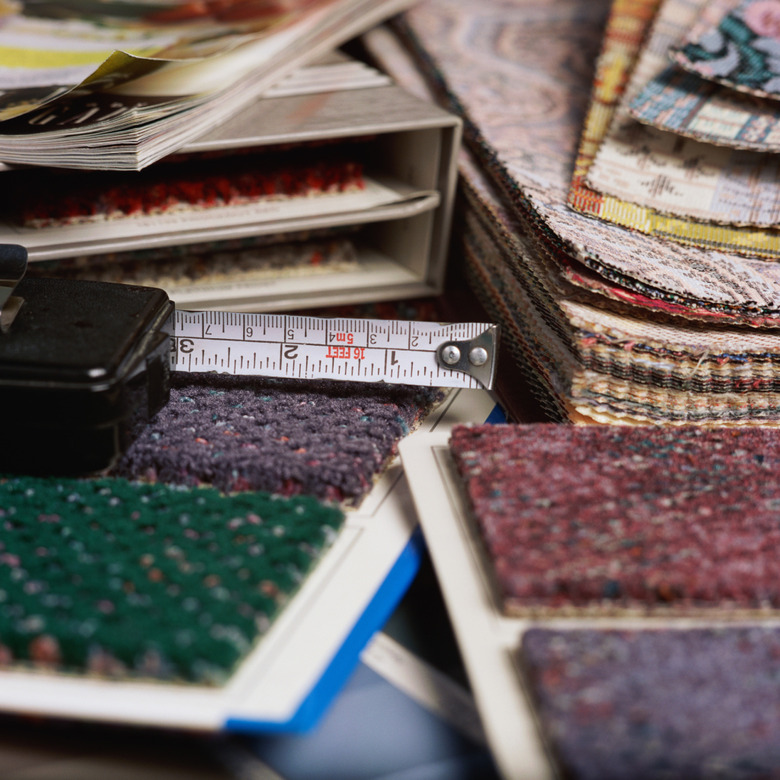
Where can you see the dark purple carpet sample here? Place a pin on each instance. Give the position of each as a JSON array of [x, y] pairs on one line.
[[323, 439], [609, 518], [671, 704]]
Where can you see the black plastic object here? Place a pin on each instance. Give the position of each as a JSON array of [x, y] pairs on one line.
[[82, 365]]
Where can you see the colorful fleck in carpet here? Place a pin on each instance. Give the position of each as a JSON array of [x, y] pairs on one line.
[[697, 703], [603, 519], [122, 579]]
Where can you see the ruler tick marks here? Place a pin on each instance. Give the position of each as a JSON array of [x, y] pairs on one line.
[[347, 348]]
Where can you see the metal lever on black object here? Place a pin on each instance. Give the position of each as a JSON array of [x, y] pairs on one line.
[[13, 266]]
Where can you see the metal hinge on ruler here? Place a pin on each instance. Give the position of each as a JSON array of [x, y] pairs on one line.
[[79, 360]]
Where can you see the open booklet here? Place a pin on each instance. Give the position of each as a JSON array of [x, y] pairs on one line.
[[85, 89]]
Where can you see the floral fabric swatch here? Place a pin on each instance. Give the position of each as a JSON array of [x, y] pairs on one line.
[[741, 51]]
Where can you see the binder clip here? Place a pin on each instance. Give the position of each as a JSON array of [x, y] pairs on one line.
[[82, 364]]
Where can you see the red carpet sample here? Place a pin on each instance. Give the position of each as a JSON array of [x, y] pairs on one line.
[[608, 519]]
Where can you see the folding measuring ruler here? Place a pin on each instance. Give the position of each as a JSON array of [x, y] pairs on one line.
[[360, 350]]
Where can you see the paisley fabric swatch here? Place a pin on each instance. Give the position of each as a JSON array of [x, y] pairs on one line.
[[658, 703], [740, 50], [618, 519]]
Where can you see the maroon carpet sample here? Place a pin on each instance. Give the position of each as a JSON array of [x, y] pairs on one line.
[[599, 517]]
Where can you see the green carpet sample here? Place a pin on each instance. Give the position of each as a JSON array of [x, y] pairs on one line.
[[122, 579]]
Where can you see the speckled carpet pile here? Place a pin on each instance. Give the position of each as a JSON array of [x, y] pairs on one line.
[[603, 518], [122, 579], [239, 433], [699, 703], [176, 564]]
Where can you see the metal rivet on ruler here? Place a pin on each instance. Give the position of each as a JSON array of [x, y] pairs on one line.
[[450, 354], [478, 356]]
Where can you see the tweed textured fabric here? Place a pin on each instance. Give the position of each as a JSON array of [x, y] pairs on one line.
[[658, 703], [595, 519], [120, 579]]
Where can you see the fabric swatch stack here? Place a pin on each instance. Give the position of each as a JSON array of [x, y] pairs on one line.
[[633, 268]]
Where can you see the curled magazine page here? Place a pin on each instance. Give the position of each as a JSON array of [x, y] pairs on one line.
[[49, 49], [138, 84]]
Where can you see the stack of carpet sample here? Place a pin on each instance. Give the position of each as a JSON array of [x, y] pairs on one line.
[[639, 567], [633, 268], [618, 198], [173, 565]]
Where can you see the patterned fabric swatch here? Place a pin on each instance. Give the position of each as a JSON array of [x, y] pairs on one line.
[[740, 50], [615, 519], [120, 579], [534, 279], [678, 176], [680, 102], [658, 703], [329, 440], [597, 359]]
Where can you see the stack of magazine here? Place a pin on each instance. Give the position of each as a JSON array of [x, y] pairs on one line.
[[120, 85], [284, 174]]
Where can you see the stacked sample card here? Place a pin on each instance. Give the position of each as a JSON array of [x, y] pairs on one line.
[[633, 269], [614, 593], [226, 572], [335, 187]]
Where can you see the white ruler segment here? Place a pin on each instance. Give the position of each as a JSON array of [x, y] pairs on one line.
[[362, 350]]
